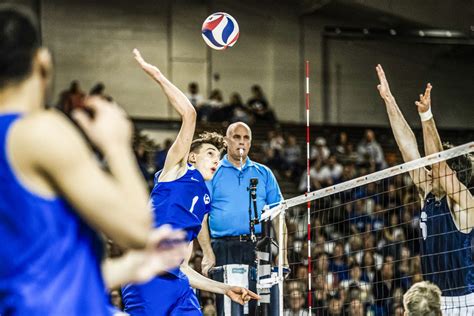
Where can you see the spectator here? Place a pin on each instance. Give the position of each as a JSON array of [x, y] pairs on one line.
[[320, 150], [237, 111], [71, 99], [383, 289], [333, 168], [296, 302], [356, 279], [207, 111], [320, 177], [322, 269], [193, 95], [99, 90], [356, 308], [338, 263], [142, 159], [272, 148], [258, 104], [334, 306], [292, 158], [160, 156], [370, 152]]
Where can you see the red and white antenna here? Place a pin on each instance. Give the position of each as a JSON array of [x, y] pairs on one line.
[[308, 185]]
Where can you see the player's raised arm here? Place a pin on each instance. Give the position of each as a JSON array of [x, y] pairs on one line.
[[177, 155], [448, 179], [455, 189], [404, 136]]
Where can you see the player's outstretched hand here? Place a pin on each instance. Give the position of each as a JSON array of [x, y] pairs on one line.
[[150, 69], [424, 103], [383, 86], [241, 295], [165, 250]]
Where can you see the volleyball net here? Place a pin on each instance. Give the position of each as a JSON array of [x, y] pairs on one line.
[[361, 244]]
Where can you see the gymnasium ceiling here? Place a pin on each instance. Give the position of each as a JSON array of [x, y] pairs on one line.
[[439, 14]]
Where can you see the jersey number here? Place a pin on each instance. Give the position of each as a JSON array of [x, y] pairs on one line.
[[195, 199], [423, 225]]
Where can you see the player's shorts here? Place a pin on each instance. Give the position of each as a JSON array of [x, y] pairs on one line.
[[164, 295], [457, 305]]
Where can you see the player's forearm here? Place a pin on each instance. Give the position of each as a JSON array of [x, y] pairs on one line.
[[124, 170], [204, 239], [117, 271], [199, 281], [431, 139], [178, 99], [402, 132]]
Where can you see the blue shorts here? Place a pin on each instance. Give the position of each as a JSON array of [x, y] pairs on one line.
[[164, 295]]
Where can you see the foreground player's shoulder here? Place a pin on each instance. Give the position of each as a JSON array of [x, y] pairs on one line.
[[46, 136]]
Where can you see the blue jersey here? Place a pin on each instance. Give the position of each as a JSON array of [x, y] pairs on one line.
[[181, 203], [446, 252], [49, 258]]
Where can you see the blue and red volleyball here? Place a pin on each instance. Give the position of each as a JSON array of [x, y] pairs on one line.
[[220, 30]]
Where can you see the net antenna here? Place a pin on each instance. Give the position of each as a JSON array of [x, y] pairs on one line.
[[308, 186]]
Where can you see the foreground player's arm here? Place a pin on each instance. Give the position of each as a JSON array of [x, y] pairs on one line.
[[166, 249], [204, 238], [404, 136], [431, 137], [114, 203], [178, 152], [236, 293]]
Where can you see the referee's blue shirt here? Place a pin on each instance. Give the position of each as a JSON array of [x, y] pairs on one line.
[[229, 214]]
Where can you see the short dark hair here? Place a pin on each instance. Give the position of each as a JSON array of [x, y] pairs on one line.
[[212, 138], [462, 165], [19, 42]]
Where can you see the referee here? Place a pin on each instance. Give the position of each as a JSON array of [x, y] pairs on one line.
[[226, 237]]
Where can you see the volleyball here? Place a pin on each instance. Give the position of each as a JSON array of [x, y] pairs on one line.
[[220, 30]]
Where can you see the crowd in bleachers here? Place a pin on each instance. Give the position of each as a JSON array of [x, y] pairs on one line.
[[365, 251], [215, 109]]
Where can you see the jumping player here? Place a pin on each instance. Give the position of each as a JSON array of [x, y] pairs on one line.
[[447, 215], [180, 198]]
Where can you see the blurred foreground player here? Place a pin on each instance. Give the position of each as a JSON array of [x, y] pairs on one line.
[[54, 197], [180, 198]]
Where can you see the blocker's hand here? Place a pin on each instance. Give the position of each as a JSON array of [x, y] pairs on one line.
[[241, 295], [425, 100], [383, 87]]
